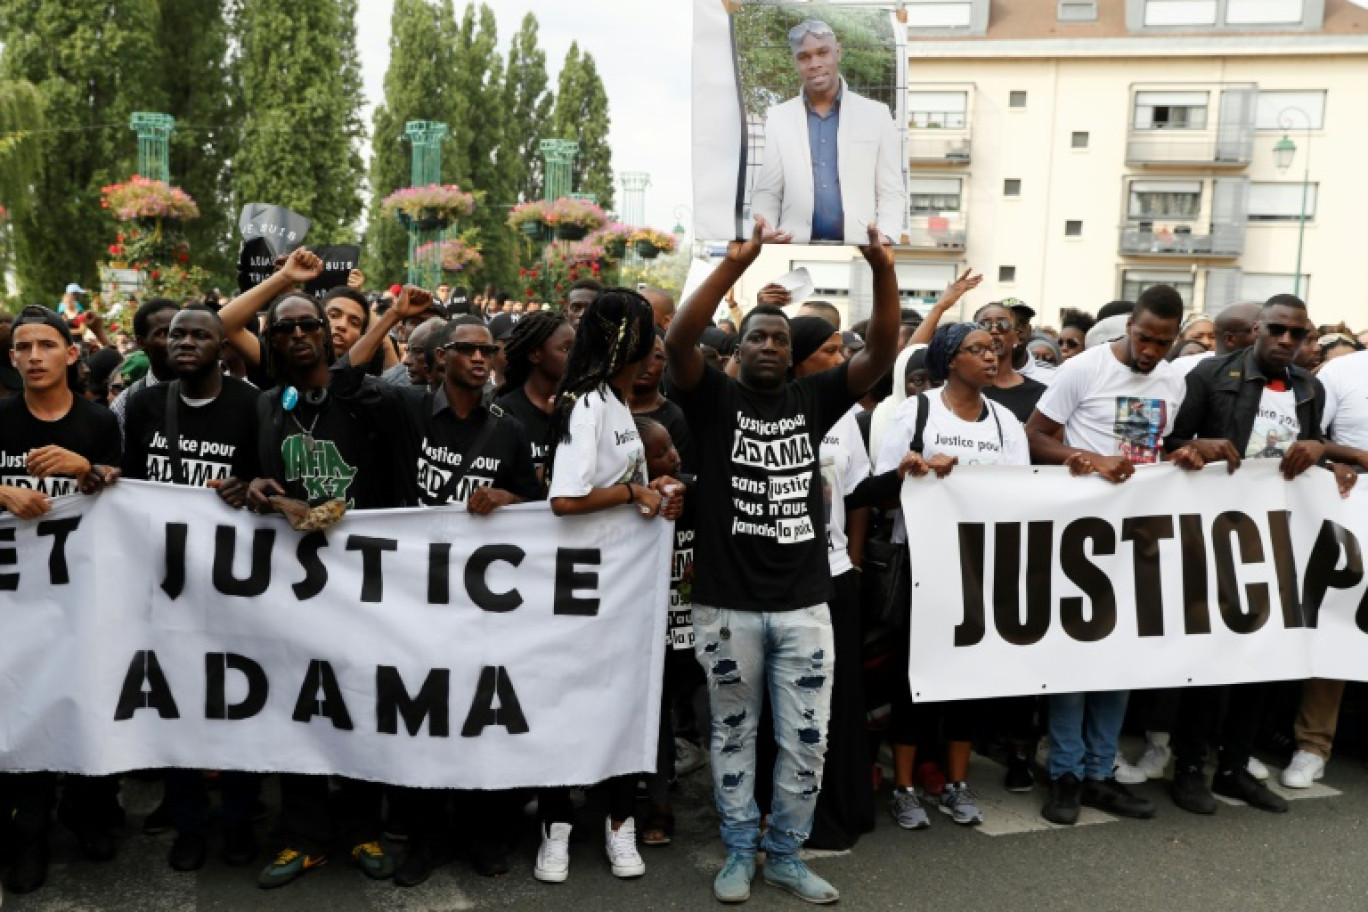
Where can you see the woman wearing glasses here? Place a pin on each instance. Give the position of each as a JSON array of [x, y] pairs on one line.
[[1009, 387]]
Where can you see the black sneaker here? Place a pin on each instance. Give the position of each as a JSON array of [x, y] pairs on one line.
[[1062, 805], [1114, 798], [1240, 785], [1189, 791], [424, 856], [1019, 777], [240, 846], [30, 867], [490, 859], [159, 821], [189, 852]]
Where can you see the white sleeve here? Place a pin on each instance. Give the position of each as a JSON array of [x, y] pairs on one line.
[[1329, 379], [572, 473], [857, 466], [1064, 392], [1015, 448], [898, 438]]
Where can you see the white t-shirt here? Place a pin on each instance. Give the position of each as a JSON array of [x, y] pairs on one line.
[[1346, 399], [1276, 425], [604, 448], [1109, 409], [1185, 364], [996, 439], [844, 465], [1037, 370]]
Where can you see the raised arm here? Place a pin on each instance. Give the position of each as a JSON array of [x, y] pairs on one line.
[[948, 299], [300, 267], [881, 344], [685, 361], [411, 302]]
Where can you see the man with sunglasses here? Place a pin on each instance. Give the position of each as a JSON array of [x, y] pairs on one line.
[[1254, 403], [832, 162], [455, 449]]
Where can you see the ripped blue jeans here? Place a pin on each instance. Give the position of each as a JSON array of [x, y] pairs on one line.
[[742, 653]]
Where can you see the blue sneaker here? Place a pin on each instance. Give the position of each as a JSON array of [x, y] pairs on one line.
[[289, 865], [788, 872], [732, 884]]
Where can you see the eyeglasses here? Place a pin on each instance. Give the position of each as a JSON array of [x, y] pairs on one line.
[[287, 327], [1278, 330], [466, 349], [975, 351], [1003, 325]]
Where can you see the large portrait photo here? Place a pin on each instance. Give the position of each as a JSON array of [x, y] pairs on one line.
[[796, 107]]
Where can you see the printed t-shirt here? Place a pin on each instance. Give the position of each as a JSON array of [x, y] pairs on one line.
[[534, 421], [1109, 409], [1276, 425], [218, 439], [762, 543], [604, 448], [87, 429]]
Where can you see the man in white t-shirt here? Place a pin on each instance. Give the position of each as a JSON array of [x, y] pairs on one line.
[[1107, 411]]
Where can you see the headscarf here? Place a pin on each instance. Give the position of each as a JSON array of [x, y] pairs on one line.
[[808, 334], [1053, 345], [944, 346], [883, 412]]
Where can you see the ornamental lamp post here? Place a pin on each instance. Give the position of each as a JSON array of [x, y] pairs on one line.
[[1284, 153]]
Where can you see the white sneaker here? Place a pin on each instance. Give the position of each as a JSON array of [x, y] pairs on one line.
[[553, 858], [1256, 769], [1126, 774], [1154, 760], [622, 848], [1304, 769]]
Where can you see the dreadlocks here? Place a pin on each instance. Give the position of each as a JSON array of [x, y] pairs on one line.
[[268, 358], [529, 334], [618, 329]]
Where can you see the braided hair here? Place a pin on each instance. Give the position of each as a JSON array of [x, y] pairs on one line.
[[274, 369], [529, 334], [618, 329]]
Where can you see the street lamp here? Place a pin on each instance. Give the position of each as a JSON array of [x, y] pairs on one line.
[[1284, 152]]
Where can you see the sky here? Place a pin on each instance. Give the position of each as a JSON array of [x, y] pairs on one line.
[[641, 49]]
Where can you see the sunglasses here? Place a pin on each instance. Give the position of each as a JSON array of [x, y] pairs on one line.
[[1070, 343], [809, 27], [466, 349], [1278, 330], [1003, 325], [287, 327]]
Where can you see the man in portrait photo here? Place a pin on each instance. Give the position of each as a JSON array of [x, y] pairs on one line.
[[832, 160]]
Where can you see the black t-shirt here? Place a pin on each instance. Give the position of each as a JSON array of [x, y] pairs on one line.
[[217, 440], [672, 417], [86, 429], [761, 543], [535, 422], [426, 432], [679, 633], [1020, 400]]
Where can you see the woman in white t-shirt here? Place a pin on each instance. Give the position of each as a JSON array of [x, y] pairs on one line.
[[959, 426], [595, 461]]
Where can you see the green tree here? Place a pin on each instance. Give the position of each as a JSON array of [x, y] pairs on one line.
[[301, 101], [581, 114], [21, 115], [92, 65], [421, 32], [527, 105]]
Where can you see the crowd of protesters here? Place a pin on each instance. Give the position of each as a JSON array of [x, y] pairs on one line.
[[785, 669]]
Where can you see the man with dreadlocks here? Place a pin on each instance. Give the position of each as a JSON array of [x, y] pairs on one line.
[[535, 356], [762, 578], [596, 461]]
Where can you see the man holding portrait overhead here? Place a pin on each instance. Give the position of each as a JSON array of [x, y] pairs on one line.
[[832, 161]]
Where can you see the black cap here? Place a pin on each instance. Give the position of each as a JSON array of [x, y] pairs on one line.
[[37, 313]]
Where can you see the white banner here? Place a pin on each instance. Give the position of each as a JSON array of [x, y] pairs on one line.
[[152, 626], [1029, 581]]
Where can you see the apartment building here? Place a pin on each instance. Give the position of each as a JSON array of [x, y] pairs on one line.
[[1077, 151]]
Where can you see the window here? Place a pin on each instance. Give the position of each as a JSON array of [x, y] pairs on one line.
[[933, 110], [1180, 200], [1016, 100], [1006, 274], [1277, 107], [1079, 140], [1280, 202], [1011, 186], [1263, 12], [1180, 12], [933, 195], [1170, 110], [1255, 286], [1073, 228], [922, 282], [829, 279], [940, 15], [1134, 281], [1077, 10]]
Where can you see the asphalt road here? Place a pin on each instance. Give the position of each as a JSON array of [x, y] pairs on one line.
[[1312, 858]]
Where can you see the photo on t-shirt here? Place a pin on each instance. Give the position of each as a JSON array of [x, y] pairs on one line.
[[1140, 427]]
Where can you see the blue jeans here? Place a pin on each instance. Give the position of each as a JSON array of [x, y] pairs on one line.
[[1084, 730], [742, 653]]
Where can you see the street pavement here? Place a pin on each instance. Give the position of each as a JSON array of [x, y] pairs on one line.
[[1313, 858]]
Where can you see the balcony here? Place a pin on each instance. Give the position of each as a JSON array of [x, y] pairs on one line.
[[939, 118], [937, 147], [1192, 125], [943, 233], [1183, 240]]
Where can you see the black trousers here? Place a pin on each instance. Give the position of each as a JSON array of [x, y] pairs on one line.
[[1200, 721], [32, 797], [311, 817]]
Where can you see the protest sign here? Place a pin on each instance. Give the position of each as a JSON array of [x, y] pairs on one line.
[[267, 232]]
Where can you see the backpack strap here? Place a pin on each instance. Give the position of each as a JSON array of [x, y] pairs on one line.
[[919, 429], [173, 431]]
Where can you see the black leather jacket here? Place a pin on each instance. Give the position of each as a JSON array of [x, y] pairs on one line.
[[1222, 400]]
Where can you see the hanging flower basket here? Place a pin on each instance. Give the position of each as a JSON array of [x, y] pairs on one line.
[[435, 205], [650, 243], [571, 232], [529, 218], [646, 250], [532, 229], [456, 255], [614, 238], [575, 217], [147, 202]]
